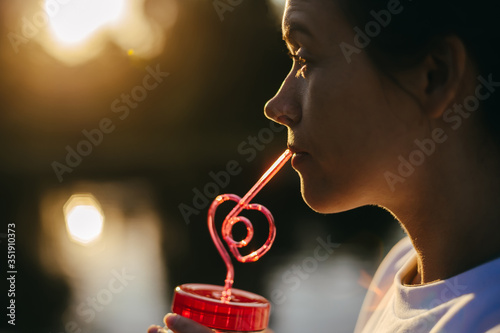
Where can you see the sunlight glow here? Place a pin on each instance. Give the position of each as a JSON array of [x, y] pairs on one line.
[[76, 31], [79, 19], [277, 6], [84, 219]]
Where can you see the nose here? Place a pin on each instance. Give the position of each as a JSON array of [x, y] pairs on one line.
[[284, 108]]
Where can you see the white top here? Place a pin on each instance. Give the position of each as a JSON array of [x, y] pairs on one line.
[[466, 303]]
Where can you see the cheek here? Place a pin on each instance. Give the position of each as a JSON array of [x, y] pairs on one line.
[[356, 127], [352, 113], [343, 116]]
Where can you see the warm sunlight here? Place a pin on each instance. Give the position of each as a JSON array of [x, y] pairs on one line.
[[76, 31], [84, 219], [79, 19]]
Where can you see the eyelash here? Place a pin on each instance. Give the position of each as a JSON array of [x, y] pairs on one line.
[[303, 63]]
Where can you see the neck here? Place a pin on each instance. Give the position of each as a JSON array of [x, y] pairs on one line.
[[452, 216]]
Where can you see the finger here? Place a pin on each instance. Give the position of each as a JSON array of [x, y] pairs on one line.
[[155, 329], [180, 324]]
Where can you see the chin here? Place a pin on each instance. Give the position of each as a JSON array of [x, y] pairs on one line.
[[324, 200], [325, 207]]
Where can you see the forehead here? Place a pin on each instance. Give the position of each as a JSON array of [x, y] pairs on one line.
[[311, 17], [296, 12]]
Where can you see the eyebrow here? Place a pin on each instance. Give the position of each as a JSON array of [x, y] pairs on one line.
[[294, 27]]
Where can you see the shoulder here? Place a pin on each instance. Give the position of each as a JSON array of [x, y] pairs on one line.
[[495, 329], [483, 284], [476, 305], [383, 280]]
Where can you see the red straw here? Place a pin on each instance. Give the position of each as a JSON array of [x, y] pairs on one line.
[[232, 218]]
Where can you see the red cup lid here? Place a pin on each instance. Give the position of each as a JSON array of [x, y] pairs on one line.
[[202, 303]]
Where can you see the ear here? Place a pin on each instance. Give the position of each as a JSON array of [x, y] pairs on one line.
[[441, 75]]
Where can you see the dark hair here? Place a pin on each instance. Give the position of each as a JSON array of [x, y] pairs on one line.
[[409, 35]]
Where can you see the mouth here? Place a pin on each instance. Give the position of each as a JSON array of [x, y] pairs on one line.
[[299, 155], [295, 149]]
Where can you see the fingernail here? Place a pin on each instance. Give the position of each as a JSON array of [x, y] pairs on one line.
[[171, 319]]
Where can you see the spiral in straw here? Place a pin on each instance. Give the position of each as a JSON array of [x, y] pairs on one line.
[[232, 218]]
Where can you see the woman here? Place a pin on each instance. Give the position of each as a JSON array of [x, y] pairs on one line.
[[394, 103]]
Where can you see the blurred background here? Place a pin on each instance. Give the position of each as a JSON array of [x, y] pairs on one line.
[[120, 121]]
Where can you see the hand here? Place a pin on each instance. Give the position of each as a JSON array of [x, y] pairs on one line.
[[179, 324]]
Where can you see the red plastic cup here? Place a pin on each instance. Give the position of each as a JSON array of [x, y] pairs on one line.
[[245, 312]]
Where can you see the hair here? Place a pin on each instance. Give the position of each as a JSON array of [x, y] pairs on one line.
[[422, 24]]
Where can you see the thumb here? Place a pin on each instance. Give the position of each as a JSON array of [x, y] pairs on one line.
[[180, 324]]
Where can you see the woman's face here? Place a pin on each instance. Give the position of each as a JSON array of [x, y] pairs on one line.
[[347, 122]]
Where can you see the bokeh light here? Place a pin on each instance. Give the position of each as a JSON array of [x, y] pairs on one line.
[[78, 19], [84, 219], [77, 31]]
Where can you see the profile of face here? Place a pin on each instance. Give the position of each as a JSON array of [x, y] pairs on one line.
[[347, 122]]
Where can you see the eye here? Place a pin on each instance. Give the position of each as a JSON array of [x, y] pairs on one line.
[[301, 62]]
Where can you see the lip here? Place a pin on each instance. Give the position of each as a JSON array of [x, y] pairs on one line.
[[296, 150], [299, 155]]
